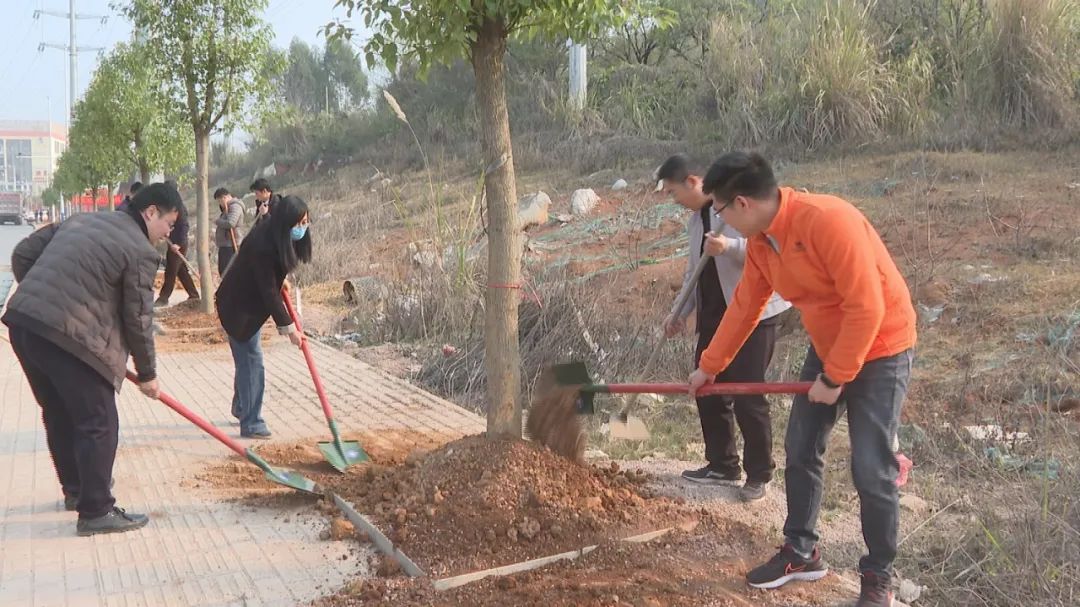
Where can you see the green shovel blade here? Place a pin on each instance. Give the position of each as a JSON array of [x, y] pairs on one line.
[[342, 454], [280, 476]]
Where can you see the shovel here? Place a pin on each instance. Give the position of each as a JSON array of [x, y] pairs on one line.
[[341, 454], [288, 478], [621, 425], [575, 375]]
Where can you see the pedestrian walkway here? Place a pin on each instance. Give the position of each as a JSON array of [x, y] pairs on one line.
[[197, 550]]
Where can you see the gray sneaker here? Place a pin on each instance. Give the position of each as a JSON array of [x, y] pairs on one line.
[[752, 491], [116, 521], [708, 476]]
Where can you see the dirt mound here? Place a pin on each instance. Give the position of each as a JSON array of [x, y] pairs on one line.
[[703, 567], [476, 503]]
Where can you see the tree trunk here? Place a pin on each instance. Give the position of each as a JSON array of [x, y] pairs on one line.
[[502, 360], [112, 201], [202, 198], [144, 172]]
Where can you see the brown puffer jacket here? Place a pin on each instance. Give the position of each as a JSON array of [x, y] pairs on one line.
[[87, 285]]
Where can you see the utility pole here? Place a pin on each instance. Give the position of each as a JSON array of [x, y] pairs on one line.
[[578, 75], [72, 48]]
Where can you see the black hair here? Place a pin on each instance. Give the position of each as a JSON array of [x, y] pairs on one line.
[[261, 184], [675, 169], [134, 187], [739, 174], [162, 196], [218, 193], [288, 211]]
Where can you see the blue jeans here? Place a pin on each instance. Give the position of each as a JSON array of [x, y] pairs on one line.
[[873, 401], [248, 383]]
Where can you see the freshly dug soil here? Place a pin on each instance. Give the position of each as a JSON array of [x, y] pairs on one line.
[[476, 503], [703, 567], [187, 329]]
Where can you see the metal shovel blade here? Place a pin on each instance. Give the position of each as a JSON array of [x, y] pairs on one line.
[[289, 478], [628, 428], [292, 479], [342, 454]]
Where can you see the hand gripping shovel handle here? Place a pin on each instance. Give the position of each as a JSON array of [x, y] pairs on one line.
[[188, 414], [309, 358], [654, 356]]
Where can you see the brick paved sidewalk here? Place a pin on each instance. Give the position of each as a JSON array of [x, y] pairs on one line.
[[196, 550]]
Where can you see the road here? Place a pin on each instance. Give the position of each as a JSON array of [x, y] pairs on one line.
[[9, 237]]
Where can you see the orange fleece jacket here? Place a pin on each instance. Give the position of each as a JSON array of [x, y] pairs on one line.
[[821, 254]]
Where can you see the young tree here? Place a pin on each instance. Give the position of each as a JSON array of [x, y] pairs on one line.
[[138, 112], [214, 55], [440, 31], [93, 158]]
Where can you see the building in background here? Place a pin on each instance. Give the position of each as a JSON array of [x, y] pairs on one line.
[[29, 153]]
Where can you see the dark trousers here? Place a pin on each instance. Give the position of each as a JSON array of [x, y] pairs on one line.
[[224, 256], [78, 407], [720, 414], [176, 268], [873, 401]]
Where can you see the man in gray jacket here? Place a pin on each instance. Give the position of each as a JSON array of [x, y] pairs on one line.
[[83, 304], [227, 227], [709, 235]]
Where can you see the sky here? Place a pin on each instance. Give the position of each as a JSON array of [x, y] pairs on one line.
[[32, 82]]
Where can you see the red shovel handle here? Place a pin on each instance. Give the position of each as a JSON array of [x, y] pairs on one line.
[[711, 389], [175, 405], [308, 357]]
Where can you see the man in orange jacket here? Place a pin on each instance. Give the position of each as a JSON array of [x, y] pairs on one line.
[[821, 254]]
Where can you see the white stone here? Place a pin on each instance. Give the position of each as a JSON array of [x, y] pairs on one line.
[[533, 210], [583, 201]]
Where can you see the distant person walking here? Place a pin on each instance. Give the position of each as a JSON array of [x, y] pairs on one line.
[[250, 292], [174, 266], [83, 305], [227, 235]]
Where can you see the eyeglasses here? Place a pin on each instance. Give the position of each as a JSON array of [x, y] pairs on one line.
[[721, 208]]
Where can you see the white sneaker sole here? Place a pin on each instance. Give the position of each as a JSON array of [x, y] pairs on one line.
[[800, 576], [715, 482]]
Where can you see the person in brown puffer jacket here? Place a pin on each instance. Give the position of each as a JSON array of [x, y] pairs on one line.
[[83, 304]]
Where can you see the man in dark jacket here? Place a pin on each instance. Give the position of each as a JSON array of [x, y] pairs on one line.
[[83, 304], [132, 190], [174, 265], [265, 198]]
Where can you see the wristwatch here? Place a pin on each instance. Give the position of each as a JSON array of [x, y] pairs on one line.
[[828, 382]]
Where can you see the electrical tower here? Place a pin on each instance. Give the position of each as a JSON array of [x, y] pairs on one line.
[[72, 49]]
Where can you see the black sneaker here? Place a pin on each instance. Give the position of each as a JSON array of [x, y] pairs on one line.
[[876, 591], [786, 566], [259, 434], [161, 303], [752, 491], [116, 521], [708, 476]]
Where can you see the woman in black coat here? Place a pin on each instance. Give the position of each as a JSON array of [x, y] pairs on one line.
[[250, 292]]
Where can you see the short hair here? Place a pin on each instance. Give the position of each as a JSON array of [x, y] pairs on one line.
[[134, 187], [676, 169], [161, 195], [739, 174], [261, 184], [218, 193]]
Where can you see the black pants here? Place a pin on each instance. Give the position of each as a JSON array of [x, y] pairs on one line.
[[224, 256], [720, 414], [78, 407], [873, 401], [176, 268]]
